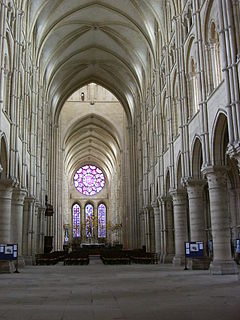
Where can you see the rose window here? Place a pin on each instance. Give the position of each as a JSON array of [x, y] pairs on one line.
[[89, 180]]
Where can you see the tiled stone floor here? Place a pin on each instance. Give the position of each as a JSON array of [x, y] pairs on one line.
[[130, 292]]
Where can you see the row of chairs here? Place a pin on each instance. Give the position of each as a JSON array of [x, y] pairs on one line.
[[77, 258], [51, 258], [108, 256], [128, 256], [114, 257]]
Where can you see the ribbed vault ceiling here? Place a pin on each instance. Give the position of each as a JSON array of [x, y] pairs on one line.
[[108, 42], [82, 41], [92, 140]]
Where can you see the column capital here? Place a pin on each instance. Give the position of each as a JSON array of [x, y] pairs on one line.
[[234, 153], [42, 210], [7, 183], [192, 182], [216, 175], [30, 199], [215, 170], [147, 208], [177, 192], [6, 188], [164, 199], [155, 205], [37, 205], [19, 195], [179, 196], [194, 187]]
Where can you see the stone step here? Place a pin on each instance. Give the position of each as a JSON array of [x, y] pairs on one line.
[[95, 259]]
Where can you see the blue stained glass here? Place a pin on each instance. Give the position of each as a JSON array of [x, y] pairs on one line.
[[89, 220], [89, 180], [102, 221], [76, 220]]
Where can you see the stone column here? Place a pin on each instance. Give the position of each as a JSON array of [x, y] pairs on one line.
[[151, 230], [5, 220], [156, 212], [168, 228], [180, 225], [142, 228], [35, 215], [163, 239], [196, 213], [222, 257], [27, 229], [5, 210], [147, 229], [38, 229], [17, 222], [42, 231]]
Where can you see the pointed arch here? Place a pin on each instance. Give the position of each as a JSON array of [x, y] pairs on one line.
[[3, 158], [167, 182], [176, 112], [179, 172], [220, 139], [197, 158], [164, 124]]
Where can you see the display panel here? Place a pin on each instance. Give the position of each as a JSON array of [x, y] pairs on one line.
[[8, 251], [194, 249]]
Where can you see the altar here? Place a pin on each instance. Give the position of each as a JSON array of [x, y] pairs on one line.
[[92, 245]]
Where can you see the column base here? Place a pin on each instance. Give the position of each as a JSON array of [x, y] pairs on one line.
[[198, 263], [21, 262], [28, 260], [168, 258], [7, 267], [221, 267], [178, 261], [157, 256]]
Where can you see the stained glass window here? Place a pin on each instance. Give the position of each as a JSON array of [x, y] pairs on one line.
[[89, 180], [102, 221], [89, 220], [76, 220]]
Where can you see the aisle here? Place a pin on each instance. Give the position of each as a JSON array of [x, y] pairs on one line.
[[95, 259], [123, 292]]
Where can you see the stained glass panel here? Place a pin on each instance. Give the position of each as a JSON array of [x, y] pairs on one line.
[[89, 220], [76, 221], [89, 180], [102, 221]]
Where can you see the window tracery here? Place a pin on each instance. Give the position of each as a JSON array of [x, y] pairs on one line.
[[214, 57], [193, 89], [102, 220], [76, 221], [89, 180], [89, 220]]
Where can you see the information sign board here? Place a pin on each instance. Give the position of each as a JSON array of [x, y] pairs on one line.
[[8, 251], [237, 245], [194, 249]]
